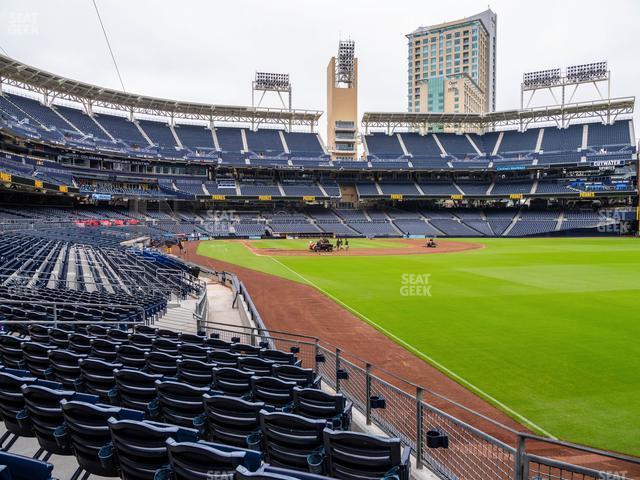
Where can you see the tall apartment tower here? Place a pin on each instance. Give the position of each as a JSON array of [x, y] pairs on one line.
[[452, 66], [342, 102]]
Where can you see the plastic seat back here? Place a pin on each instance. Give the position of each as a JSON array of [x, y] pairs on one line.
[[230, 420], [232, 381], [287, 439], [272, 391], [140, 447]]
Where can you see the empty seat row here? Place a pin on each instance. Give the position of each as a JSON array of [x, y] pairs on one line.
[[115, 441]]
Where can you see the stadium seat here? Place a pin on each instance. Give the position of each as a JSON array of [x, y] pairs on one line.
[[17, 467], [96, 377], [64, 367], [259, 366], [165, 345], [303, 377], [161, 363], [278, 356], [245, 349], [130, 356], [267, 472], [315, 403], [139, 449], [178, 403], [353, 455], [11, 352], [223, 358], [43, 411], [230, 420], [80, 343], [12, 406], [87, 432], [104, 349], [134, 389], [141, 340], [36, 358], [287, 439], [232, 381], [201, 460], [38, 333], [195, 372], [272, 391], [59, 338], [193, 352]]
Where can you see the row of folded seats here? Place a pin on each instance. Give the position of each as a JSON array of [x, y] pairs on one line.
[[24, 309], [184, 418]]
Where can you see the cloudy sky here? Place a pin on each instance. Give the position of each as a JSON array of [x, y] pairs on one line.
[[208, 51]]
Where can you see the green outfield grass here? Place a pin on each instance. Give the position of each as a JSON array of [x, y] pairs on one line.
[[546, 328]]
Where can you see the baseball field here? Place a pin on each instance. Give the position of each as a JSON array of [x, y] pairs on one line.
[[545, 329]]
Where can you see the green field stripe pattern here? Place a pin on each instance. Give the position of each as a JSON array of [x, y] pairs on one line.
[[546, 327]]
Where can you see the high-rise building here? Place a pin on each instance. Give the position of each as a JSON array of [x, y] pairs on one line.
[[452, 66], [342, 102]]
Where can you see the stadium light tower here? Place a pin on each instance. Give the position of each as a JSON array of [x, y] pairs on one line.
[[557, 81], [342, 102], [277, 83]]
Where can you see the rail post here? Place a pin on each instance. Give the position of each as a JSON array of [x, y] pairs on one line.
[[337, 369], [521, 466], [55, 316], [317, 354], [419, 458], [368, 391]]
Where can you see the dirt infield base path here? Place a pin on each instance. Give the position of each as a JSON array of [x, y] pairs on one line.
[[297, 308], [408, 247]]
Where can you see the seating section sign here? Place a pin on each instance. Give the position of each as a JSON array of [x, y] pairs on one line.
[[5, 177]]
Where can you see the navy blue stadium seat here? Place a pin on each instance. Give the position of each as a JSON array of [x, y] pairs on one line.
[[139, 449], [201, 460], [272, 391], [195, 372], [178, 403], [303, 377], [45, 414], [12, 406], [36, 358], [230, 420], [359, 456], [223, 358], [134, 389], [86, 430], [287, 439], [17, 467], [96, 377], [267, 472], [315, 403], [161, 363], [64, 367], [259, 366], [131, 356], [232, 381], [11, 352]]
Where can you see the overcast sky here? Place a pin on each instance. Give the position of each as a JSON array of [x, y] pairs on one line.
[[208, 51]]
